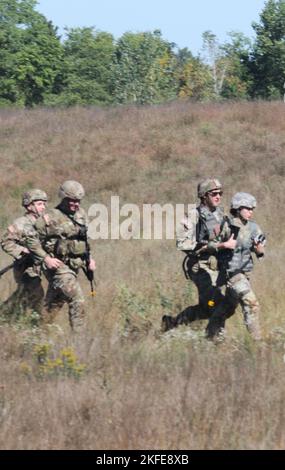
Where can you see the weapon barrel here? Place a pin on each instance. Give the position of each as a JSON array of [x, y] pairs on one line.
[[6, 269]]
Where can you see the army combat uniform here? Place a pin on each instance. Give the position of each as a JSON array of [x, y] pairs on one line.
[[61, 234], [197, 236], [29, 294], [236, 268]]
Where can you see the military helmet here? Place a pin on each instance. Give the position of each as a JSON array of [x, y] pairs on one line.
[[72, 190], [208, 185], [243, 200], [33, 195]]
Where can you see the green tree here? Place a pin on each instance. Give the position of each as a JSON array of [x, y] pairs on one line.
[[144, 69], [195, 78], [267, 62], [30, 54], [236, 51], [88, 62]]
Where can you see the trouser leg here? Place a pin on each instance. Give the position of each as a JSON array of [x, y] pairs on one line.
[[224, 310], [27, 298], [33, 296], [12, 306], [250, 308], [54, 301], [65, 288], [192, 313], [209, 294], [238, 291]]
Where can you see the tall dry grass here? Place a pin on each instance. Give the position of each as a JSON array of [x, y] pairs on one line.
[[140, 389]]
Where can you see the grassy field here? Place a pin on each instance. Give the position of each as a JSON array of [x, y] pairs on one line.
[[125, 385]]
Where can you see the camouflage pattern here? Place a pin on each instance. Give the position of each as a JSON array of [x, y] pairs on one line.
[[60, 236], [33, 195], [71, 189], [64, 288], [198, 236], [243, 200], [188, 237], [208, 185], [236, 269], [29, 294], [242, 260]]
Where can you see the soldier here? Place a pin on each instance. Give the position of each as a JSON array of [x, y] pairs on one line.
[[238, 266], [60, 244], [29, 294], [197, 236]]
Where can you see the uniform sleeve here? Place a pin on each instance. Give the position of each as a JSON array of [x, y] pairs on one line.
[[258, 235], [11, 242], [33, 237], [186, 232]]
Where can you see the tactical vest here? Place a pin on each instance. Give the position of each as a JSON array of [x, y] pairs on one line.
[[207, 224], [65, 238], [241, 257]]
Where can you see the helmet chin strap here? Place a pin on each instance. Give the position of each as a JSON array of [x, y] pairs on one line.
[[32, 209], [244, 221]]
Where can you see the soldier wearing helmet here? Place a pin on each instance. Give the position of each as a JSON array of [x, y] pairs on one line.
[[29, 294], [238, 266], [34, 201], [197, 236], [59, 243]]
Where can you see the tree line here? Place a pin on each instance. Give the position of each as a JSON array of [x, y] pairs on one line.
[[90, 67]]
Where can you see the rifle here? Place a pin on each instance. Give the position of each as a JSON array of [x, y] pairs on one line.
[[87, 257], [234, 231], [17, 261], [6, 269]]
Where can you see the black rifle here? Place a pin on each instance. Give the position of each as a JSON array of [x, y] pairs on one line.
[[234, 231], [6, 269], [87, 258], [18, 262]]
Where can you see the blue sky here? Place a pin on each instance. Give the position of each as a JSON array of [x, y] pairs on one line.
[[180, 21]]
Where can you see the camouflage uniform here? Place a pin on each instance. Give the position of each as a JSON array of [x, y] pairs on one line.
[[236, 269], [61, 235], [197, 235], [29, 294]]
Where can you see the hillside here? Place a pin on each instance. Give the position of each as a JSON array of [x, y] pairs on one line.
[[140, 389]]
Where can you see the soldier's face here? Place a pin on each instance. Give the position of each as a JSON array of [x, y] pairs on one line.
[[37, 207], [213, 198], [73, 205], [246, 213]]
